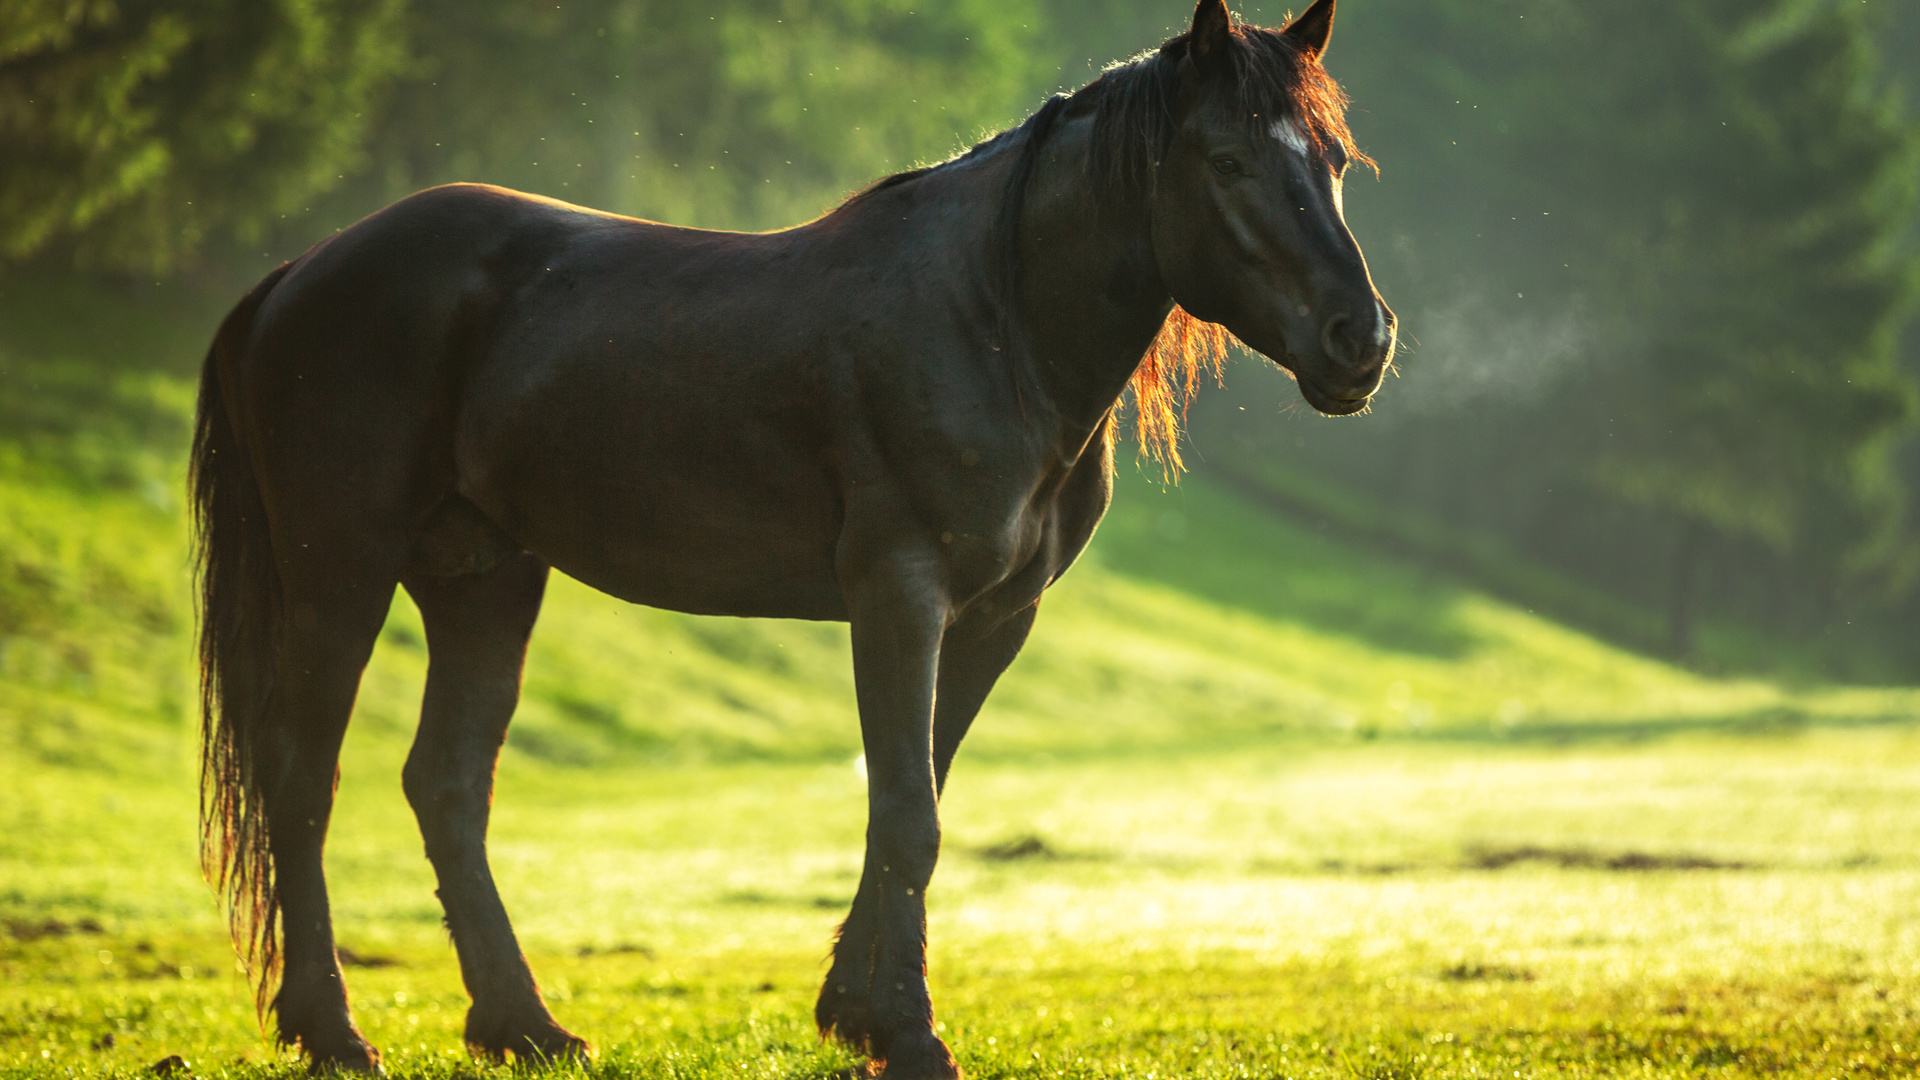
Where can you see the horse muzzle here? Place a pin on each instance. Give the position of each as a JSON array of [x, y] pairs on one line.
[[1355, 349]]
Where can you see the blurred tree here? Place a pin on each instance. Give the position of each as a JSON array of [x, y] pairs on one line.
[[739, 113], [131, 133], [1742, 185]]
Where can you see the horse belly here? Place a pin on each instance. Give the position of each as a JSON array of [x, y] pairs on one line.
[[674, 504]]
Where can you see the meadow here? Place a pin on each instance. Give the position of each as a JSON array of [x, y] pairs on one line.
[[1255, 802], [1729, 906]]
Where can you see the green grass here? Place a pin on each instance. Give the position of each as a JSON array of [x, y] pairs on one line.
[[1287, 907], [1289, 808]]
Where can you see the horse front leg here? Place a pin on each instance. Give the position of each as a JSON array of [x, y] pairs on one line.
[[974, 651], [897, 619]]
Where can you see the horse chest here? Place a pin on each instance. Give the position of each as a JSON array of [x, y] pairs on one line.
[[1009, 561]]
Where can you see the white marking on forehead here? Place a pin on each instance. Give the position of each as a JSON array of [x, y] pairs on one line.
[[1290, 134]]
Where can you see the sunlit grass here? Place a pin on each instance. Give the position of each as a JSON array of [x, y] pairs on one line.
[[1175, 915]]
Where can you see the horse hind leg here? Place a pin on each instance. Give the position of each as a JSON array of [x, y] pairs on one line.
[[326, 636], [477, 624]]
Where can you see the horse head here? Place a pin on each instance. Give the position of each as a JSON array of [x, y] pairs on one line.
[[1247, 221]]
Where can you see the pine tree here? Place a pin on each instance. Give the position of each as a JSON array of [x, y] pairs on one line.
[[133, 134], [1766, 290]]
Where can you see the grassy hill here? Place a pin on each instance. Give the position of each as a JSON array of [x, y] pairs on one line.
[[1196, 619]]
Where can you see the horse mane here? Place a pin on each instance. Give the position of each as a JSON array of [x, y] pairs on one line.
[[1133, 102]]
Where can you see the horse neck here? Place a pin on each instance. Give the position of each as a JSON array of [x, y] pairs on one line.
[[1090, 296]]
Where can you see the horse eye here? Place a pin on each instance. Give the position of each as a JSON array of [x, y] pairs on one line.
[[1225, 166]]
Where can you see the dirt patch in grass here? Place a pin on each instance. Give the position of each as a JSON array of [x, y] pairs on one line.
[[350, 958], [1499, 858], [36, 929], [1487, 973]]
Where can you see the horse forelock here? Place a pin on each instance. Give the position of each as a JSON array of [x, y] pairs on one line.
[[1277, 82], [1272, 81]]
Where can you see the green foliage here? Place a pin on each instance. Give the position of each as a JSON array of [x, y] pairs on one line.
[[136, 134], [1764, 280], [745, 113], [1738, 190]]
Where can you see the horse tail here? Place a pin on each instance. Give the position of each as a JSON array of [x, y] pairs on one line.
[[239, 598]]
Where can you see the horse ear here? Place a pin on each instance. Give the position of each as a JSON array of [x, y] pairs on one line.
[[1309, 32], [1207, 41]]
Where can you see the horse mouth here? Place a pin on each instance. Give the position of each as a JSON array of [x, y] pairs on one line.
[[1330, 404]]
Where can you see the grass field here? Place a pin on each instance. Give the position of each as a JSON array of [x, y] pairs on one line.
[[1301, 906], [1252, 804]]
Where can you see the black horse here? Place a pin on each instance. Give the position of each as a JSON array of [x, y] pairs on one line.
[[899, 415]]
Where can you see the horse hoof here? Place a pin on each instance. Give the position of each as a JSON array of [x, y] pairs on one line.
[[559, 1045], [921, 1057], [541, 1040], [355, 1056], [338, 1048], [317, 1067]]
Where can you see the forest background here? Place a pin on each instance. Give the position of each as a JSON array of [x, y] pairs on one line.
[[1656, 266]]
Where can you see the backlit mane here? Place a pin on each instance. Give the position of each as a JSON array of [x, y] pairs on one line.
[[1166, 380], [1133, 129]]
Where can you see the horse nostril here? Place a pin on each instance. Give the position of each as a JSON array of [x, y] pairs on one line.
[[1338, 340]]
